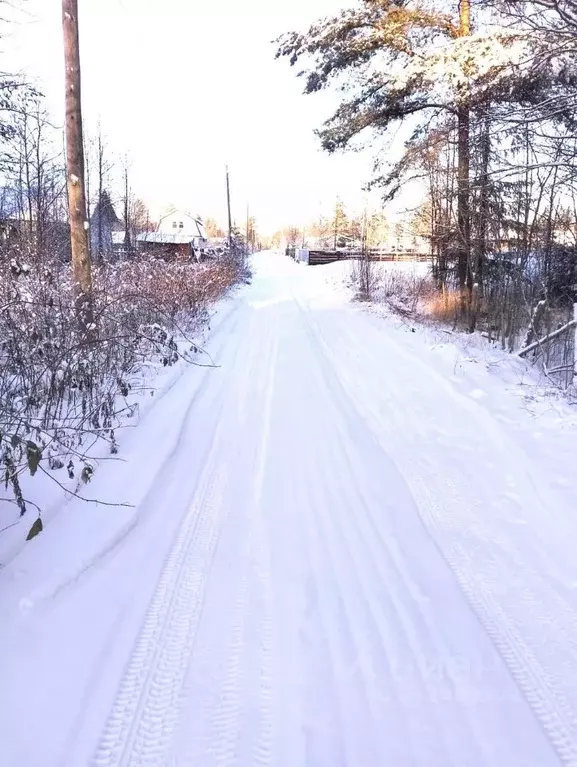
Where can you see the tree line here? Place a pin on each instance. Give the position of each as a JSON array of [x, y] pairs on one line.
[[33, 193], [342, 229], [80, 333], [485, 95]]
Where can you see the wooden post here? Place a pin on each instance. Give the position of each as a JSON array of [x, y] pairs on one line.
[[81, 266]]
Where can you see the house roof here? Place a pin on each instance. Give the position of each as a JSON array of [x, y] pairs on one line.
[[182, 213], [163, 238]]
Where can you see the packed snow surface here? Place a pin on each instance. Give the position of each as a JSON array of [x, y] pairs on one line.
[[348, 544]]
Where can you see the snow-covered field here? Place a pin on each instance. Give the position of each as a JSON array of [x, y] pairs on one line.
[[352, 543]]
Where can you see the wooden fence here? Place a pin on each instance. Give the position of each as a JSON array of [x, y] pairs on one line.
[[320, 257]]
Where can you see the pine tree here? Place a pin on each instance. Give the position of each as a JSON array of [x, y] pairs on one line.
[[102, 223], [212, 228], [411, 61], [340, 224], [377, 230]]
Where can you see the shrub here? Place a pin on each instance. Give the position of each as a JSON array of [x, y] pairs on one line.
[[59, 391]]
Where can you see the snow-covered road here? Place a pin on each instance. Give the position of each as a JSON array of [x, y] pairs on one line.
[[337, 559]]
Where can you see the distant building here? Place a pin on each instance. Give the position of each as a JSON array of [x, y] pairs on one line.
[[178, 236]]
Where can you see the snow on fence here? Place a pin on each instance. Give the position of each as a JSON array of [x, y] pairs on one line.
[[555, 352], [321, 257]]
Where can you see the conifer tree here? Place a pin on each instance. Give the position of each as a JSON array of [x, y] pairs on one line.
[[397, 61]]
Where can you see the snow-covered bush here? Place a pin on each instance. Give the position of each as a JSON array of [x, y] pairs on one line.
[[405, 287], [60, 391], [365, 276]]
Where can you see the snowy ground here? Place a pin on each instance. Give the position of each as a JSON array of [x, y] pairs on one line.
[[352, 544]]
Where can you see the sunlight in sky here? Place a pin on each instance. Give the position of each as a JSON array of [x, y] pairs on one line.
[[187, 87]]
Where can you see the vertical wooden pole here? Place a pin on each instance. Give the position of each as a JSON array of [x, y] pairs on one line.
[[81, 266]]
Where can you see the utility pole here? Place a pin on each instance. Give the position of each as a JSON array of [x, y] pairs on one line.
[[229, 215], [81, 266]]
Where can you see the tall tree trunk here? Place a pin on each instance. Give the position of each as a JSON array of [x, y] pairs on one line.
[[88, 195], [27, 170], [483, 222], [336, 228], [81, 266], [247, 228], [463, 163], [100, 254], [127, 237], [40, 191]]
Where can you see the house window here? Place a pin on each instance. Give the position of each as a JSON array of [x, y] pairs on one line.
[[181, 225], [174, 224]]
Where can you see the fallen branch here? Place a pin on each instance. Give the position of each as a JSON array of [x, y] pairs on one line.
[[546, 339]]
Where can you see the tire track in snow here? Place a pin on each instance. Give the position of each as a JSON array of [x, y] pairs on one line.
[[383, 563], [145, 712], [551, 708], [547, 703], [358, 546], [325, 695], [219, 722], [347, 541], [306, 740], [227, 719], [239, 677], [532, 679], [263, 745]]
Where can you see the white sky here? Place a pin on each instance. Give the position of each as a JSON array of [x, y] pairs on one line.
[[187, 87]]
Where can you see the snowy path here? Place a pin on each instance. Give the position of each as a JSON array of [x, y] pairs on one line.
[[341, 562]]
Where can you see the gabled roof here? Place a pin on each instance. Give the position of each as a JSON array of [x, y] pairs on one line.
[[183, 213]]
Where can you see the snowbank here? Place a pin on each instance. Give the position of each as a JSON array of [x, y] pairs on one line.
[[95, 516]]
